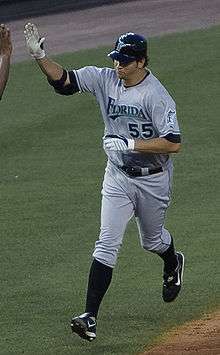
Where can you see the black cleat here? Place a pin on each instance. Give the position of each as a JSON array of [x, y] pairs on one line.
[[172, 281], [85, 326]]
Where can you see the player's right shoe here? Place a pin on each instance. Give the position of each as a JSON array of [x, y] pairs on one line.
[[85, 326], [172, 281]]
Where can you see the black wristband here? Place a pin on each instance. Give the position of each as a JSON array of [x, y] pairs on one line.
[[42, 44]]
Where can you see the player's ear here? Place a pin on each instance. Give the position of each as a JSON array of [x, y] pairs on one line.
[[141, 63]]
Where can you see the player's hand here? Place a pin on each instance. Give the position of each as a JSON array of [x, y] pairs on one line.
[[5, 41], [34, 42], [118, 143]]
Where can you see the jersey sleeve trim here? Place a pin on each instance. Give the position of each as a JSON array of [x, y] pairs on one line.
[[170, 131], [78, 81], [174, 138]]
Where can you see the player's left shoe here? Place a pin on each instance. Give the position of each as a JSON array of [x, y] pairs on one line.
[[172, 282], [85, 326]]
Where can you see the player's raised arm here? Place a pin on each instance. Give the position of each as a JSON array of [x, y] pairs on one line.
[[5, 55], [63, 82]]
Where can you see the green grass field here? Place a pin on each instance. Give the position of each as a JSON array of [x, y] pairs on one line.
[[52, 166]]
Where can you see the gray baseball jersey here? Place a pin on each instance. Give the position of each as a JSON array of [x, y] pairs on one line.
[[145, 111], [142, 111]]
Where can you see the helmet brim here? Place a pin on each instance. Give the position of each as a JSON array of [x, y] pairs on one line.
[[120, 57]]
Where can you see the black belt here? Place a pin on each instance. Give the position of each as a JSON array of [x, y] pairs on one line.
[[137, 171]]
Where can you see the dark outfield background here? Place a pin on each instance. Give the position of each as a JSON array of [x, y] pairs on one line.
[[16, 9]]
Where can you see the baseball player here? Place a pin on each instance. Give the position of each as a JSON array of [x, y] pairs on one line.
[[5, 55], [141, 131]]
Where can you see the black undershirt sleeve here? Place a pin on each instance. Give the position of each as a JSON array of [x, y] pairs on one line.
[[69, 89], [174, 138]]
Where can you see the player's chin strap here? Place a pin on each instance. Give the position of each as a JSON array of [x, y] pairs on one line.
[[138, 171]]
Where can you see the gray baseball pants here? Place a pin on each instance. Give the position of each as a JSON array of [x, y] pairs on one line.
[[147, 198]]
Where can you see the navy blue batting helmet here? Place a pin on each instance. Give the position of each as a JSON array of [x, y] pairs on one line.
[[129, 47]]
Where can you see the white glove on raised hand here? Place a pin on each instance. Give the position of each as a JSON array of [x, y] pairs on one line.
[[117, 143], [34, 42]]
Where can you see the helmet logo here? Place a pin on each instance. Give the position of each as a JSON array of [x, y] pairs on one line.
[[121, 45]]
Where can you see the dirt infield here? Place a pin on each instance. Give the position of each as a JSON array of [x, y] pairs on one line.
[[67, 32], [74, 30], [200, 337]]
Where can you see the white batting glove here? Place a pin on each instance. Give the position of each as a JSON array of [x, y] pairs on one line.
[[34, 42], [118, 143]]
